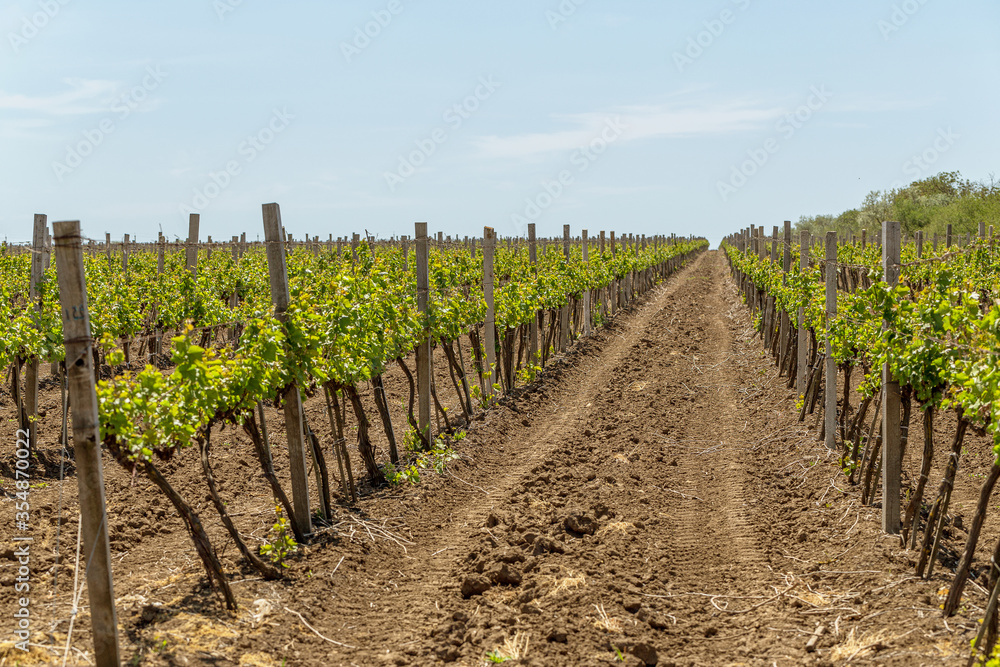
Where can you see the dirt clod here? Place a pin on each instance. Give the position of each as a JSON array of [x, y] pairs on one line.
[[475, 585], [505, 574], [580, 524], [645, 652]]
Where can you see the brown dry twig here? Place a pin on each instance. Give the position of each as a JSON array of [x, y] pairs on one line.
[[756, 606], [315, 632]]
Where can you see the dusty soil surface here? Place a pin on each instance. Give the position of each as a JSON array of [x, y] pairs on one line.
[[651, 499]]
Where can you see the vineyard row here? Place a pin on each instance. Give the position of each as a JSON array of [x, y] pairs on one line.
[[188, 341], [922, 325]]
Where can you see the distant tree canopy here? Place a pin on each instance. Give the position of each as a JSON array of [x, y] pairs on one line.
[[930, 205]]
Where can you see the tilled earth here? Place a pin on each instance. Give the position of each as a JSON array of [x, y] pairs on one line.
[[650, 499]]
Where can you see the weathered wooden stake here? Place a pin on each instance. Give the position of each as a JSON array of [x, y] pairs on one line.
[[533, 325], [489, 246], [892, 449], [587, 314], [786, 266], [86, 441], [803, 346], [34, 298], [424, 346], [278, 274], [194, 221], [602, 293], [613, 286], [831, 365], [564, 310]]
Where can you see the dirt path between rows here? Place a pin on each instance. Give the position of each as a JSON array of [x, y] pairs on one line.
[[651, 499], [613, 502]]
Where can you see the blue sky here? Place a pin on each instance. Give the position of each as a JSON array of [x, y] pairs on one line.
[[635, 116]]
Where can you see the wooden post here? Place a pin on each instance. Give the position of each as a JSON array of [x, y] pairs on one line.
[[533, 353], [34, 298], [587, 314], [948, 238], [489, 245], [278, 275], [424, 346], [355, 240], [404, 243], [86, 441], [982, 229], [786, 266], [125, 256], [107, 247], [46, 250], [786, 255], [627, 242], [602, 292], [161, 242], [192, 243], [564, 310], [892, 449], [831, 365], [920, 244], [613, 285]]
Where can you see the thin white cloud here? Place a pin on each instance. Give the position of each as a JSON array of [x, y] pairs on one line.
[[85, 96], [615, 191], [874, 104], [19, 128], [639, 122]]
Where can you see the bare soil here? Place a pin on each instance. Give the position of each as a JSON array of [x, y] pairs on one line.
[[651, 499]]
